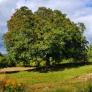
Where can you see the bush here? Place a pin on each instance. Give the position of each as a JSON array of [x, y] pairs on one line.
[[11, 85], [3, 62]]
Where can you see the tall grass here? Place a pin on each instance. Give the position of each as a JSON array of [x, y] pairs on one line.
[[85, 88]]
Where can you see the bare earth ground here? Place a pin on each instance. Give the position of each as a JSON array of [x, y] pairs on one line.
[[84, 77], [14, 69]]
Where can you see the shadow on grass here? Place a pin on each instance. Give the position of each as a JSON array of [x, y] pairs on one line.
[[9, 72], [59, 67], [56, 67]]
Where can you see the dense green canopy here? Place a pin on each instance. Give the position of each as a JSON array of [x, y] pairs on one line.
[[44, 35]]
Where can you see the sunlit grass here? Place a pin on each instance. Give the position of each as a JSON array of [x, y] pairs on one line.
[[54, 76]]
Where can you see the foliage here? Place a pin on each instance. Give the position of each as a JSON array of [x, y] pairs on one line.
[[3, 61], [18, 38], [44, 35], [11, 85], [90, 53]]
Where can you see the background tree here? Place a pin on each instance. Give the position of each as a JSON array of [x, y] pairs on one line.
[[90, 53], [3, 61]]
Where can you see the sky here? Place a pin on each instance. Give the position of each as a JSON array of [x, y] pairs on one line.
[[76, 10]]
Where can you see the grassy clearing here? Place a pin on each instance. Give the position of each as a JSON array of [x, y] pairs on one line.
[[52, 80], [54, 76]]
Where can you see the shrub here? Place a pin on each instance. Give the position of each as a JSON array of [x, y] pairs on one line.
[[11, 85], [3, 62]]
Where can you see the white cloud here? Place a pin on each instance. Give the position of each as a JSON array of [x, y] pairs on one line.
[[6, 7], [87, 20]]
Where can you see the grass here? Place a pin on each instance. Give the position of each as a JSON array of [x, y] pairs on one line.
[[52, 80]]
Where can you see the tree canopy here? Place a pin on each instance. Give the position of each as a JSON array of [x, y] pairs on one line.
[[44, 35]]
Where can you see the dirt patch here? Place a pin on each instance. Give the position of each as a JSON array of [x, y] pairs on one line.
[[83, 78], [15, 69]]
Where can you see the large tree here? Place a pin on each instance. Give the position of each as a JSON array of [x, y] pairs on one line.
[[45, 34]]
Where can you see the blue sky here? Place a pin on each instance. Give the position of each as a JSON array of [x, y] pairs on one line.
[[77, 10]]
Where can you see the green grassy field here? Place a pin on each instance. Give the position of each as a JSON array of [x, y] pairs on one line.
[[66, 79]]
